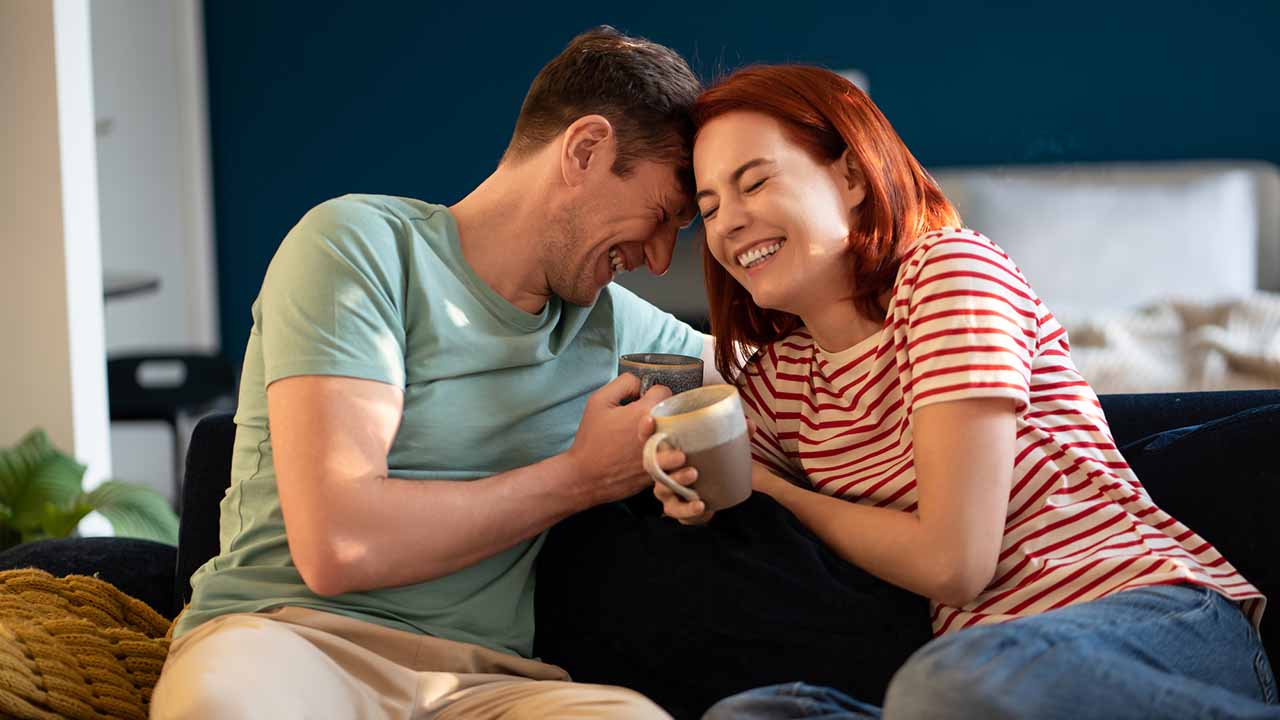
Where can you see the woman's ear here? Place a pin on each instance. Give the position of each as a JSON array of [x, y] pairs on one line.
[[587, 145], [854, 182]]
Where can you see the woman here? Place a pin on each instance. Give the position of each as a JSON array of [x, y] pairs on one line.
[[915, 405]]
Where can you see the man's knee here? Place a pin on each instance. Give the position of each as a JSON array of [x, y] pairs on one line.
[[245, 668], [199, 686]]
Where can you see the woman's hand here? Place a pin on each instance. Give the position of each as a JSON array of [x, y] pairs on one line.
[[684, 511], [695, 512]]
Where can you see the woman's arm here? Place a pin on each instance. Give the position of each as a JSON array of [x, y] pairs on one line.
[[947, 551]]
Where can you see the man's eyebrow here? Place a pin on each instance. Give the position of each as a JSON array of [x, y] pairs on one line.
[[736, 176]]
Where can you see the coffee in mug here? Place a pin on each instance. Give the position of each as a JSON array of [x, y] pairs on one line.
[[708, 425]]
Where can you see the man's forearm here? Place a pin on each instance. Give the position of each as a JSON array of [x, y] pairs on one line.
[[387, 532]]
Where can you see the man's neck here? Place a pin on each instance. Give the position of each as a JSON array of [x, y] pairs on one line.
[[501, 227]]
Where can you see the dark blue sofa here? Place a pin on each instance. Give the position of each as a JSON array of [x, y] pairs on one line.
[[689, 615]]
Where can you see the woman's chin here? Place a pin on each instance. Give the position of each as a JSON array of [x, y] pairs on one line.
[[766, 301]]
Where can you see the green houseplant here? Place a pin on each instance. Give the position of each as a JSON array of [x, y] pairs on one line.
[[41, 497]]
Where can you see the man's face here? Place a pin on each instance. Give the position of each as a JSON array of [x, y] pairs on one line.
[[616, 225]]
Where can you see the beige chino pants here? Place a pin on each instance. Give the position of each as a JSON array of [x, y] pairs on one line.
[[299, 663]]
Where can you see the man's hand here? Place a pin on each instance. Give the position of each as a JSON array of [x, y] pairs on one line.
[[607, 451]]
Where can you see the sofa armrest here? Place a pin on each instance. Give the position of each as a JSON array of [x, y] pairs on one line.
[[1138, 415]]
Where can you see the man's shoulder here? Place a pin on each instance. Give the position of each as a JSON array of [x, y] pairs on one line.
[[377, 229], [371, 213]]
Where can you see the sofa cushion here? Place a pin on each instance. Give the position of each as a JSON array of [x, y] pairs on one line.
[[140, 568], [689, 615], [1221, 479]]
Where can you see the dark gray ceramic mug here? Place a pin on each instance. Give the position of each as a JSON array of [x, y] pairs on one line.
[[678, 372]]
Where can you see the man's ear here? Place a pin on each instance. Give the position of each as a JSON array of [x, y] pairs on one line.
[[587, 145], [854, 183]]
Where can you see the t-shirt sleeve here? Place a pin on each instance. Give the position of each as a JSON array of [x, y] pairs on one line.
[[331, 302], [965, 323], [756, 388], [642, 328]]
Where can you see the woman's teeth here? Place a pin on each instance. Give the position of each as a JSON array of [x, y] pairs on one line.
[[757, 255], [616, 261]]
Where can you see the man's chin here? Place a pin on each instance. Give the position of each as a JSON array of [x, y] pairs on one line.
[[583, 299], [581, 294]]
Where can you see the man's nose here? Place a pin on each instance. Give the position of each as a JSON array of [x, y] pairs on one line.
[[657, 252]]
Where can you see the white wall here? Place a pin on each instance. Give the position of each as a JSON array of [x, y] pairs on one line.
[[52, 370], [153, 168], [148, 163]]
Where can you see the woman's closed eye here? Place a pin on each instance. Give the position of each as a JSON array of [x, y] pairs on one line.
[[709, 213]]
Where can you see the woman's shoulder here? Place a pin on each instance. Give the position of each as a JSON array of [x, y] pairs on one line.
[[952, 253], [955, 245]]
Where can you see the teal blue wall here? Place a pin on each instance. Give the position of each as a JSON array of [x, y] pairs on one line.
[[316, 99]]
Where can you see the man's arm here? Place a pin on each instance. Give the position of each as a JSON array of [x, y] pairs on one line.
[[352, 528]]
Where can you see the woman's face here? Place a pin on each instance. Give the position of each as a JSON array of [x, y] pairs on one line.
[[776, 219]]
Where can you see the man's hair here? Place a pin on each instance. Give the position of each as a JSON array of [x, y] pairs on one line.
[[644, 89]]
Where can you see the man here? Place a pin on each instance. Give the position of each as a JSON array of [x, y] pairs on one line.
[[400, 348]]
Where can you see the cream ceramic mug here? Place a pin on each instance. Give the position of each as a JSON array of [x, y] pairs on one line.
[[708, 425]]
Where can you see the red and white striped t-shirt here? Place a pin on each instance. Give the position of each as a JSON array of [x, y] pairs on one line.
[[964, 323]]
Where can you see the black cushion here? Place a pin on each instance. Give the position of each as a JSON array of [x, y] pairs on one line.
[[1222, 479], [689, 615], [140, 568], [1138, 415]]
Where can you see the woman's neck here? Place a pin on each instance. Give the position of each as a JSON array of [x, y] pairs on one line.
[[838, 326]]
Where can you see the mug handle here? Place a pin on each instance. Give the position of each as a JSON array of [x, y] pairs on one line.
[[657, 473]]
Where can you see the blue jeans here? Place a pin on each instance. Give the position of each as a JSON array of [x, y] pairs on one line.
[[1169, 651]]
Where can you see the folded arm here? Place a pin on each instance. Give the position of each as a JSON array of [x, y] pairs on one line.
[[351, 527], [947, 550]]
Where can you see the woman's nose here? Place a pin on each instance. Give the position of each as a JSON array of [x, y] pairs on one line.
[[732, 216]]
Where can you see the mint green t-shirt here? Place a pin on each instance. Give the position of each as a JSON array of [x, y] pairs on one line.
[[377, 287]]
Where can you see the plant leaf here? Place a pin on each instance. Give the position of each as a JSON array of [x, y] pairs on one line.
[[60, 521], [135, 511], [33, 475], [56, 481], [18, 464]]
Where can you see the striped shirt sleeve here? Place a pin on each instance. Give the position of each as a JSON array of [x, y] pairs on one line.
[[757, 403], [965, 322]]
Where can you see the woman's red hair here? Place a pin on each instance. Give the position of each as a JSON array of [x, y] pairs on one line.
[[824, 114]]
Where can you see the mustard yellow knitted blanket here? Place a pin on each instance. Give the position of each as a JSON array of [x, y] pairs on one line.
[[76, 647]]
